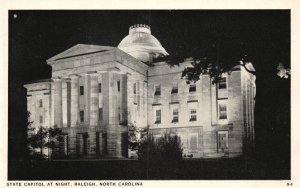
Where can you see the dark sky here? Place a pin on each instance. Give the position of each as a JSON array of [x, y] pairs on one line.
[[35, 36], [38, 35]]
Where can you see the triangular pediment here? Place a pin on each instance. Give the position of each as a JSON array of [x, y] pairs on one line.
[[80, 49]]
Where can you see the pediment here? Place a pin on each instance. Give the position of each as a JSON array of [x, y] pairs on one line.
[[116, 69], [80, 49]]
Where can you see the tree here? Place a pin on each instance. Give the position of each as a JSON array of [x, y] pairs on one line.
[[161, 157], [55, 136], [37, 142], [282, 71], [136, 136], [43, 138], [214, 59], [30, 132]]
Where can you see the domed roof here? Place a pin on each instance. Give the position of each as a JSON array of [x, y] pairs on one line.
[[141, 44]]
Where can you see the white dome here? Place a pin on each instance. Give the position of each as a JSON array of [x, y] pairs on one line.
[[141, 44]]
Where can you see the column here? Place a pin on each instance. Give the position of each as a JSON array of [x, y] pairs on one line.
[[87, 99], [93, 113], [66, 102], [72, 150], [57, 83], [74, 100], [93, 139], [94, 99]]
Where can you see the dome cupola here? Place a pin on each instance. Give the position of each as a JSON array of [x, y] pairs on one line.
[[141, 44]]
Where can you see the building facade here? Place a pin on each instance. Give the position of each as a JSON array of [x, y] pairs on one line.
[[96, 91]]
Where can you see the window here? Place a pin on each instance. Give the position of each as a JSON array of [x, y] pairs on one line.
[[81, 116], [158, 116], [222, 83], [119, 111], [134, 88], [222, 111], [135, 97], [174, 89], [41, 119], [100, 114], [193, 141], [119, 85], [192, 88], [157, 90], [81, 90], [175, 115], [40, 103], [222, 141], [99, 88], [193, 115]]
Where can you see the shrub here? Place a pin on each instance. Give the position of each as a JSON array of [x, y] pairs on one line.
[[167, 149]]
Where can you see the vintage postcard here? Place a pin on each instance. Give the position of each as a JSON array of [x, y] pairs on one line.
[[97, 95]]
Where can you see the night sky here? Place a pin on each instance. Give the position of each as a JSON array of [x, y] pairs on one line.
[[35, 36]]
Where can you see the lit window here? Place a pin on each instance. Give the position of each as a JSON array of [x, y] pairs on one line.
[[192, 88], [40, 103], [134, 88], [175, 115], [119, 85], [81, 116], [81, 90], [222, 83], [99, 87], [158, 116], [157, 90], [100, 114], [174, 89], [41, 119], [222, 111], [193, 115]]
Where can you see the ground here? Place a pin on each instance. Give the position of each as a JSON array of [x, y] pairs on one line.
[[216, 169]]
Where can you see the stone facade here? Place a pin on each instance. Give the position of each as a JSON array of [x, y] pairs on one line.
[[95, 91]]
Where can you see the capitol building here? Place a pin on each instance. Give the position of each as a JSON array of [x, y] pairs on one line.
[[96, 91]]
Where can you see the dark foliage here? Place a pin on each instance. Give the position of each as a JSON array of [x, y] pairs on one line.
[[165, 149], [37, 142], [215, 59], [43, 138], [136, 136]]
